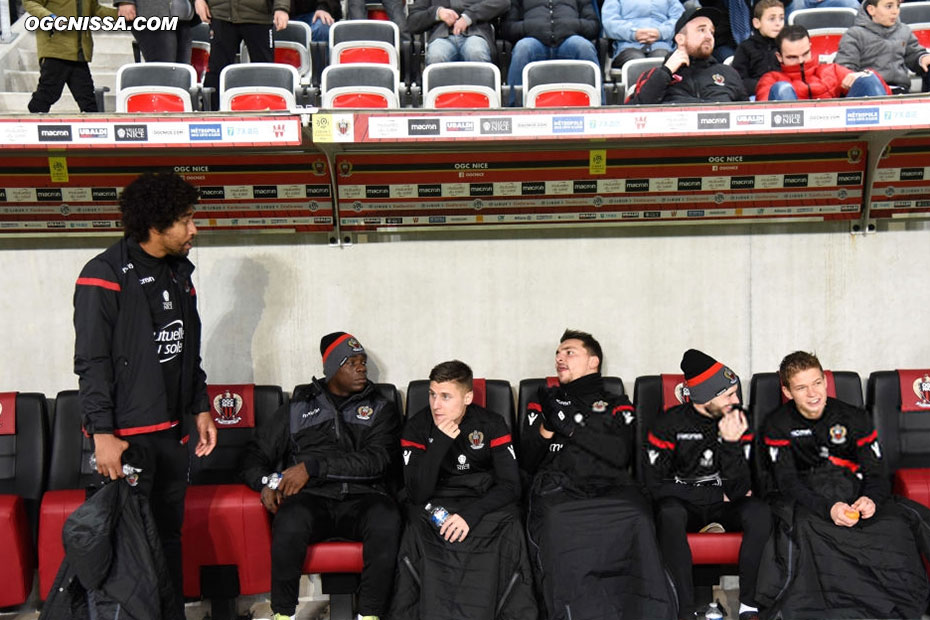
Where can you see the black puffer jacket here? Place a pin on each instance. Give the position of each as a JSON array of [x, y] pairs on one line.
[[551, 21], [754, 58], [114, 566]]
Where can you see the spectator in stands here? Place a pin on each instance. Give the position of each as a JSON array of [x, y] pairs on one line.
[[396, 11], [64, 56], [549, 29], [318, 14], [234, 21], [697, 471], [463, 553], [161, 45], [820, 4], [853, 547], [690, 74], [802, 77], [640, 28], [337, 440], [137, 354], [458, 29], [756, 55], [733, 25], [592, 537], [881, 42]]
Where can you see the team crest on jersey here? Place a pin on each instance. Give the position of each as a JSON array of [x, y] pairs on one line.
[[838, 434], [682, 393], [476, 439], [719, 81], [463, 463], [922, 389], [599, 406], [227, 407], [364, 412], [707, 458]]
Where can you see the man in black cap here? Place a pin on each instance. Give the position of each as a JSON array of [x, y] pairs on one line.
[[337, 441], [592, 537], [690, 73], [697, 469]]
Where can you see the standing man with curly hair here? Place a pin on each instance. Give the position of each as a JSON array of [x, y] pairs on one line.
[[137, 353]]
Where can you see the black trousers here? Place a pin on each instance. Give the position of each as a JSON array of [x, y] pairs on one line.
[[304, 519], [165, 463], [166, 45], [675, 518], [54, 73], [225, 38]]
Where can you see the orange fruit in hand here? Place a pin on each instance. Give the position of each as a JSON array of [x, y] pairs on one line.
[[852, 514]]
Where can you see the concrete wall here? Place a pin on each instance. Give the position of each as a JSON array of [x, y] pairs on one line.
[[745, 296]]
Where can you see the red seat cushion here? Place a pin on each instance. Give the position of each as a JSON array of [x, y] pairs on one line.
[[57, 506], [563, 99], [360, 100], [17, 562], [258, 102], [364, 54], [287, 56], [463, 100], [154, 102], [715, 548], [226, 524], [913, 484], [200, 59], [334, 557]]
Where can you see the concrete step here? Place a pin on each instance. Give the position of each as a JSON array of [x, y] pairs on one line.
[[26, 81], [17, 102]]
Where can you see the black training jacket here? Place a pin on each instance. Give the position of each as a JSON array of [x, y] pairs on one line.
[[805, 452], [703, 81], [121, 382], [686, 458], [348, 449]]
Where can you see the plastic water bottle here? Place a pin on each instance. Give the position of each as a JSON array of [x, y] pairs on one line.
[[437, 515], [272, 480], [131, 473], [713, 612]]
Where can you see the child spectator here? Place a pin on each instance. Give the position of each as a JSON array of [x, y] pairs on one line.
[[756, 55], [640, 28], [64, 55], [879, 41]]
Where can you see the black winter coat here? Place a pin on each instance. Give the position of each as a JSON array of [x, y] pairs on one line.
[[114, 567], [422, 17], [346, 450], [703, 81], [120, 378], [551, 21], [754, 58]]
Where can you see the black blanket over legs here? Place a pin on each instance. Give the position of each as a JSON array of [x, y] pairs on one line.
[[597, 558], [812, 568], [485, 577]]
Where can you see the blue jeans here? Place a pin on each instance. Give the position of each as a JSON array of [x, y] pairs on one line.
[[866, 86], [318, 30], [529, 49], [816, 4], [458, 47]]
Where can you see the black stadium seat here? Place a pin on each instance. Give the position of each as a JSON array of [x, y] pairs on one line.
[[653, 395], [900, 404], [23, 466]]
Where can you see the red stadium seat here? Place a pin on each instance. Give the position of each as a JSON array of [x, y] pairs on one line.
[[461, 85], [23, 464], [364, 41], [155, 87], [363, 85], [561, 83], [922, 32], [258, 86], [825, 42], [200, 49], [900, 401], [57, 506], [175, 101]]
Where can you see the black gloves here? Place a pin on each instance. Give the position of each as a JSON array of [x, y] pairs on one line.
[[558, 411]]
